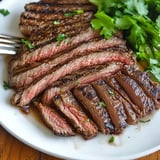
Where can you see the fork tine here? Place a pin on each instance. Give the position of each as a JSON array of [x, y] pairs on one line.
[[9, 44]]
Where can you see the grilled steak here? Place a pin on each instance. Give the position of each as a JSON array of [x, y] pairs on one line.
[[143, 79], [55, 8], [68, 105], [20, 80], [116, 86], [89, 99], [54, 120], [34, 27], [113, 104], [24, 97], [50, 50], [136, 94], [80, 82], [66, 1]]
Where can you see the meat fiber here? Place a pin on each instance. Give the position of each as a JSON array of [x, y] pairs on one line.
[[54, 120], [68, 105]]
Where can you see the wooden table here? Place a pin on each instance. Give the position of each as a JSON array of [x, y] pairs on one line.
[[13, 149]]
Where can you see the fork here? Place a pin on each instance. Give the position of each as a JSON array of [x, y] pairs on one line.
[[9, 44]]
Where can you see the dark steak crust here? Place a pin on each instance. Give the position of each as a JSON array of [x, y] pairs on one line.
[[112, 104], [136, 94], [87, 96]]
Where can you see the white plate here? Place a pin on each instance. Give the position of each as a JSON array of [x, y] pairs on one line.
[[136, 141]]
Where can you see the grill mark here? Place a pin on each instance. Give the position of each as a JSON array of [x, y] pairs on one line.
[[89, 99], [55, 8]]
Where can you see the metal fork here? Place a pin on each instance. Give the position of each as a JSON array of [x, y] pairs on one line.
[[9, 44]]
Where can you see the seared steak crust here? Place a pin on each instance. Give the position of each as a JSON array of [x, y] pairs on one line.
[[55, 8], [87, 96], [113, 104], [136, 94]]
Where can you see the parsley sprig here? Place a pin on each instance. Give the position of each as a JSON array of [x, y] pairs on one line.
[[4, 12], [140, 22]]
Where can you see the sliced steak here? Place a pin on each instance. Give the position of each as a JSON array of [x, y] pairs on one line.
[[136, 94], [54, 120], [115, 85], [51, 24], [24, 97], [71, 81], [23, 79], [143, 79], [68, 105], [112, 103], [51, 49], [55, 8], [87, 96]]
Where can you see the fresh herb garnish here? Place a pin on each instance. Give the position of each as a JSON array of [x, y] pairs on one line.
[[61, 37], [111, 93], [145, 121], [140, 22], [87, 120], [27, 43], [111, 140], [4, 12], [102, 104], [76, 12], [56, 22], [5, 85]]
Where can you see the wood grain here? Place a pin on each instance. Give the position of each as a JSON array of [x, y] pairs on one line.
[[13, 149]]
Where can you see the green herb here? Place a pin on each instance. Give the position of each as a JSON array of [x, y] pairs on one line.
[[145, 121], [5, 85], [56, 22], [76, 12], [27, 43], [87, 120], [111, 93], [140, 22], [4, 12], [61, 37], [112, 139], [102, 104]]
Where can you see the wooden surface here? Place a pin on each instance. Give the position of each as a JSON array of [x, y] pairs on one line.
[[13, 149]]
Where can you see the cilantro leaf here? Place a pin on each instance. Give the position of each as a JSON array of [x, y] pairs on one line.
[[4, 12]]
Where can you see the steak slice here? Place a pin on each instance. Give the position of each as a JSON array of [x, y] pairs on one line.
[[55, 8], [136, 94], [68, 105], [23, 79], [87, 96], [115, 85], [78, 79], [34, 27], [24, 97], [143, 79], [112, 104], [64, 2], [51, 49], [54, 120]]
